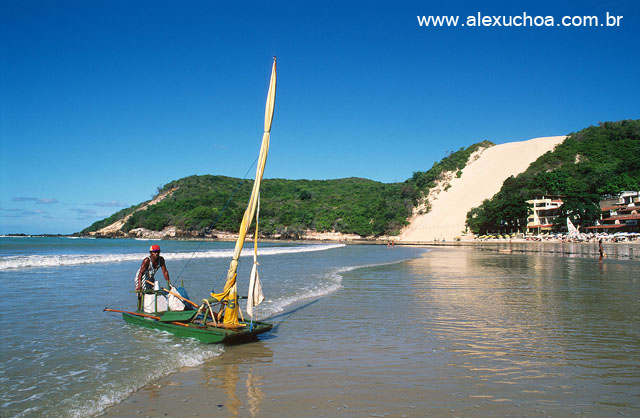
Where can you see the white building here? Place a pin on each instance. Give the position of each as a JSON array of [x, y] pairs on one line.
[[543, 211]]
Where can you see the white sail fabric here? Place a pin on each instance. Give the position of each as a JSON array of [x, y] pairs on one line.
[[255, 290], [255, 296], [573, 231]]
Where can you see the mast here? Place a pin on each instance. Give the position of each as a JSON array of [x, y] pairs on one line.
[[229, 292]]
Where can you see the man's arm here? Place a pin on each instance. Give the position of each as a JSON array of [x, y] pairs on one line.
[[143, 267]]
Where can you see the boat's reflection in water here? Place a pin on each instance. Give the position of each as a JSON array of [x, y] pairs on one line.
[[236, 375]]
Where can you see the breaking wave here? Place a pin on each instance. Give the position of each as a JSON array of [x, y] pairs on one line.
[[330, 282], [57, 260]]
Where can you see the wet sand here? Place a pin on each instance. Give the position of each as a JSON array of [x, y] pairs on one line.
[[458, 332]]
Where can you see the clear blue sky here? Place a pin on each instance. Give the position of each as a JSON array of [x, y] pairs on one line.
[[102, 102]]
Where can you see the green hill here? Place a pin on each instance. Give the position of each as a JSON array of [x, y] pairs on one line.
[[595, 161], [289, 207]]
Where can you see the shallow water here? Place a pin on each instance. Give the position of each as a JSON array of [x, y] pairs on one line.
[[61, 355], [456, 332], [513, 330], [530, 331]]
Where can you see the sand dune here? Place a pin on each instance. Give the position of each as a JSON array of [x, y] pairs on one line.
[[480, 180]]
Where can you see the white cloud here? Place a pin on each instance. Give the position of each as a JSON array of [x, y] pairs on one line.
[[21, 213], [112, 204], [40, 201], [46, 201], [84, 214]]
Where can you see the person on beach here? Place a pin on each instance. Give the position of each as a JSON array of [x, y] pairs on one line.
[[150, 265], [600, 249]]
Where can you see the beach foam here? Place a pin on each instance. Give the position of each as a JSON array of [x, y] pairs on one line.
[[329, 283], [56, 260]]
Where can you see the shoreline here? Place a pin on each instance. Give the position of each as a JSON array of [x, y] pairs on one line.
[[341, 240], [625, 250]]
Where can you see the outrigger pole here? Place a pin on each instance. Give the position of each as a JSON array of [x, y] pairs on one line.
[[157, 318]]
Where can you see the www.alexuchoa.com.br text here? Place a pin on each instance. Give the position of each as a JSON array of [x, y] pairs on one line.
[[523, 20]]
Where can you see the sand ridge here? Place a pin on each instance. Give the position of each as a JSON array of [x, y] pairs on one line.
[[481, 179]]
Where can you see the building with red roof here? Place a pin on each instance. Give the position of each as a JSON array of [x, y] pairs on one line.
[[619, 213]]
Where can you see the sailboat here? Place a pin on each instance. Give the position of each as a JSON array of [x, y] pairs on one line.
[[218, 318], [572, 230]]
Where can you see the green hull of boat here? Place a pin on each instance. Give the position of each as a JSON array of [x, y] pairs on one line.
[[205, 334]]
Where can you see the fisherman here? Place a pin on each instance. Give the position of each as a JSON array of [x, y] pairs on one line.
[[150, 265]]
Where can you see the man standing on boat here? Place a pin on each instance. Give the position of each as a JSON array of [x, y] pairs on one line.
[[150, 265]]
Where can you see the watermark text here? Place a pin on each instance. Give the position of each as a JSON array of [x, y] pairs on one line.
[[523, 20]]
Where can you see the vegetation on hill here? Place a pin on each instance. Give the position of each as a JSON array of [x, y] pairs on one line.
[[351, 205], [593, 162], [287, 207]]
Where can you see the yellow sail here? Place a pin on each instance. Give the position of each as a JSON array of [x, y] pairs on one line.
[[229, 294]]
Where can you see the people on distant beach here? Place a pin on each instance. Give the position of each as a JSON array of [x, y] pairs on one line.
[[145, 279]]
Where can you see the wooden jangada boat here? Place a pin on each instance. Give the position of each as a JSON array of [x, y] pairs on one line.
[[227, 325]]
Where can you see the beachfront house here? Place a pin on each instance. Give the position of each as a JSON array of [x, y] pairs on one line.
[[621, 199], [543, 210], [619, 213]]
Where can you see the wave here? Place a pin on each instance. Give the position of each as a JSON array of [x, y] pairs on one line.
[[57, 260], [332, 282]]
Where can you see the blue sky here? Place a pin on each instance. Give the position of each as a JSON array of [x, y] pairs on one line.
[[102, 102]]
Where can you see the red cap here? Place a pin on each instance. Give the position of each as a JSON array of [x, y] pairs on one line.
[[154, 248]]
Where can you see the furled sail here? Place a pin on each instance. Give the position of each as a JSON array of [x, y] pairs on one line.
[[255, 296], [229, 294]]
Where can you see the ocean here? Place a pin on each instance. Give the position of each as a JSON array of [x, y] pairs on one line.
[[360, 330], [61, 355]]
